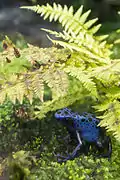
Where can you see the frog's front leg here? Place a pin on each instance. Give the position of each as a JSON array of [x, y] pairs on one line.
[[78, 137]]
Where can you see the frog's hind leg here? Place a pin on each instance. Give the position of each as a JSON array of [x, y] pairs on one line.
[[74, 153], [70, 156], [108, 146]]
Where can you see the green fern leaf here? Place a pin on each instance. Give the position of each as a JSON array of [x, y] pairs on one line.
[[84, 17], [78, 13], [113, 92], [64, 15], [38, 85], [57, 80], [101, 38], [102, 107], [90, 23], [76, 30], [74, 94], [84, 78], [95, 29]]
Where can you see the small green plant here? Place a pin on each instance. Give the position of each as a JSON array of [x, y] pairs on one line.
[[19, 165]]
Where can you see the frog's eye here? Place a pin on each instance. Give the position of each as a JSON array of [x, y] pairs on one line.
[[59, 112], [83, 120], [66, 112]]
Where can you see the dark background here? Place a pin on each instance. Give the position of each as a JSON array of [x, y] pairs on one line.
[[14, 20], [104, 9]]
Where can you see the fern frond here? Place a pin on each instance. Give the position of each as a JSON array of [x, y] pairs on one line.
[[84, 78], [75, 93], [102, 107], [36, 85], [84, 44], [65, 16], [77, 29], [57, 80], [108, 73], [81, 49], [17, 81], [102, 37], [113, 92], [111, 119], [13, 89]]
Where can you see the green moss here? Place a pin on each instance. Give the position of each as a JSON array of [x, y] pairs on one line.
[[42, 139]]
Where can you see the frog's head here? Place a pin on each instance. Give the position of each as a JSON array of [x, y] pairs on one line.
[[63, 114]]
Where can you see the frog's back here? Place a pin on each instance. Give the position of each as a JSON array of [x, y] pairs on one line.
[[87, 125]]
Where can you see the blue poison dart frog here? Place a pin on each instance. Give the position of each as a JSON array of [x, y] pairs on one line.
[[84, 128]]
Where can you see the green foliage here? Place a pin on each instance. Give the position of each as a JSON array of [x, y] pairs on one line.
[[90, 63], [78, 169], [19, 165], [40, 139], [6, 112], [77, 31], [23, 78], [114, 38], [83, 68], [81, 168], [16, 122]]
